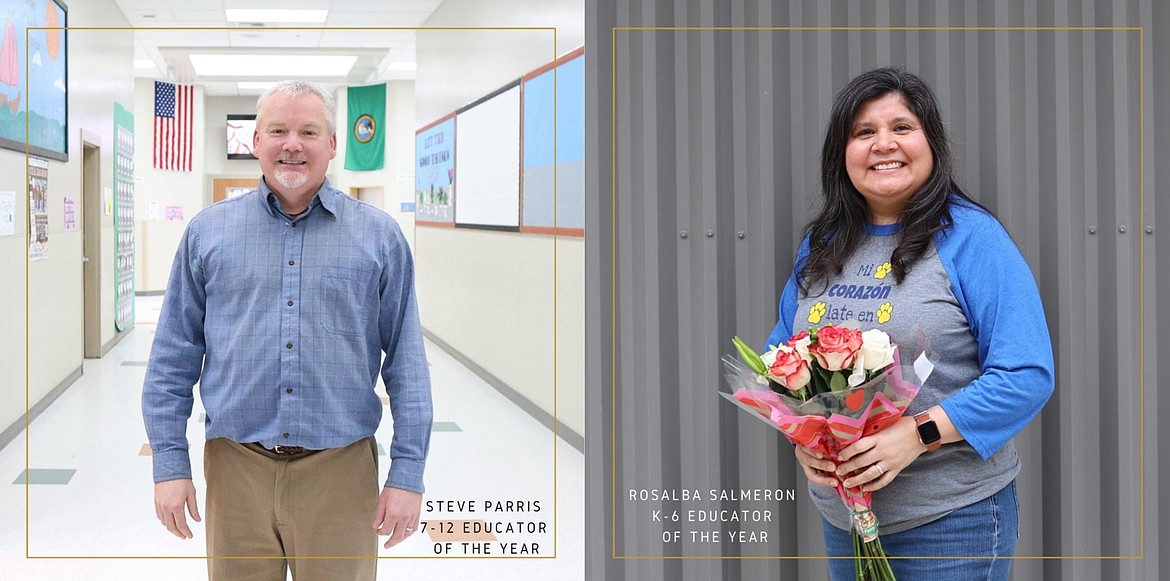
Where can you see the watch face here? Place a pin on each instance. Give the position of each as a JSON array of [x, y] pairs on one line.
[[928, 432]]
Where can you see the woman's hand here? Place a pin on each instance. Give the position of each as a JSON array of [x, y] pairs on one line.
[[878, 459], [817, 467]]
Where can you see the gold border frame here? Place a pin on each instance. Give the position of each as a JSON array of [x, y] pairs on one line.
[[613, 272], [342, 28]]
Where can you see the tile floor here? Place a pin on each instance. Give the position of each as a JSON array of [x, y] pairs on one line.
[[90, 497]]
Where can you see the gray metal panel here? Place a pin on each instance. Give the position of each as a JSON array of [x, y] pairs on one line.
[[720, 131]]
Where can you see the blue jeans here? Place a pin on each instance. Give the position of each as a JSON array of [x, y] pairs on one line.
[[986, 530]]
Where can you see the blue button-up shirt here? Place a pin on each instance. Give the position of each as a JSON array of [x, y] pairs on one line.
[[283, 323]]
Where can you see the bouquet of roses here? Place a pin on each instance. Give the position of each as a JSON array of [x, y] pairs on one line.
[[824, 389]]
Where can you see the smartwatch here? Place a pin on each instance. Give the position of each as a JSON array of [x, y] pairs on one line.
[[928, 432]]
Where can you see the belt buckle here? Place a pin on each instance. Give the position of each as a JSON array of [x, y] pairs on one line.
[[281, 449]]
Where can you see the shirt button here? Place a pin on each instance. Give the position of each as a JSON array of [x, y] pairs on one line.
[[289, 345], [290, 303], [292, 262], [289, 390], [294, 224], [286, 434]]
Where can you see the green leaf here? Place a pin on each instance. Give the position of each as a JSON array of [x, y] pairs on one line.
[[838, 382], [750, 357], [820, 380]]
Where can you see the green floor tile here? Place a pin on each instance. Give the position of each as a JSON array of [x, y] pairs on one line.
[[46, 476], [445, 427], [381, 451]]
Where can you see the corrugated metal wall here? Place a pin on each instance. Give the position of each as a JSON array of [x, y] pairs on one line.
[[703, 149]]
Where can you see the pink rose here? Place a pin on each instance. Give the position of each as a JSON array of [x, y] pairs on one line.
[[793, 340], [800, 342], [790, 369], [836, 347]]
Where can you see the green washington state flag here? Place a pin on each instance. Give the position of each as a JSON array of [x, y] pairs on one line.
[[365, 145]]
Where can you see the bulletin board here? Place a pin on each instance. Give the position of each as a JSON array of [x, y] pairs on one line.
[[555, 174], [434, 173]]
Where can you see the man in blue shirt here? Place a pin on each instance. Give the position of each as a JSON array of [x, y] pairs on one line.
[[280, 305]]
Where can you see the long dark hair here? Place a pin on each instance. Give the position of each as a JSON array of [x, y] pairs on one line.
[[839, 227]]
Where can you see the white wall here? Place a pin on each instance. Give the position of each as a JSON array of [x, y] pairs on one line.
[[100, 74], [488, 294]]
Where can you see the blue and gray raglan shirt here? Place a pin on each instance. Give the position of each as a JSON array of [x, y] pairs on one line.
[[973, 300]]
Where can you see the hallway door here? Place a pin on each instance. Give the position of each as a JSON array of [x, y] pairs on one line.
[[373, 195], [91, 243]]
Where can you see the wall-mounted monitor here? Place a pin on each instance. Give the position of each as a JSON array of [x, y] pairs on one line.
[[239, 136]]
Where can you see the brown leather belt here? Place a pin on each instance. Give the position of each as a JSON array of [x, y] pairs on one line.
[[280, 450], [289, 450]]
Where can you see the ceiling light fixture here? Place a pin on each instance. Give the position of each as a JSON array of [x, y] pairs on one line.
[[271, 65], [280, 16]]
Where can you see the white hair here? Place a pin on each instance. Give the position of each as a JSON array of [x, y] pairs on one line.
[[299, 89]]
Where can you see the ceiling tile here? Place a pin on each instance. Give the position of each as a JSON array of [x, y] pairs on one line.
[[211, 31], [187, 15], [427, 6], [367, 18], [199, 38], [258, 37], [280, 4], [374, 38], [137, 17]]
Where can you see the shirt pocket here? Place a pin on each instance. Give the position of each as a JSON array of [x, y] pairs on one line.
[[346, 299]]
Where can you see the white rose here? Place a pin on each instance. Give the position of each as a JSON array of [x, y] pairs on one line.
[[876, 350], [769, 358]]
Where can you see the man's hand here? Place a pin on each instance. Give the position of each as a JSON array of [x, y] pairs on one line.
[[170, 499], [397, 514]]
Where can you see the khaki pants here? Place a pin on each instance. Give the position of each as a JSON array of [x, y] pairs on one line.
[[319, 504]]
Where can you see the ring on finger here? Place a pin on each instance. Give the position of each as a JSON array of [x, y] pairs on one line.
[[881, 471]]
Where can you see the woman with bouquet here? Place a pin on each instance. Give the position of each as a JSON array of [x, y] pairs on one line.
[[899, 246]]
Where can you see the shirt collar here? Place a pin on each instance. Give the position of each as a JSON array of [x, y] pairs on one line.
[[882, 229], [326, 197]]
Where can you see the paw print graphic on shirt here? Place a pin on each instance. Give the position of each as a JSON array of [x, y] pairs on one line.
[[883, 270], [816, 312], [884, 312]]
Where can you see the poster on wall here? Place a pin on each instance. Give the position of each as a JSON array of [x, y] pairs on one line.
[[70, 208], [33, 101], [38, 208], [7, 213], [434, 173]]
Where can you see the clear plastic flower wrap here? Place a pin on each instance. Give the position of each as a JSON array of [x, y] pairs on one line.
[[825, 410]]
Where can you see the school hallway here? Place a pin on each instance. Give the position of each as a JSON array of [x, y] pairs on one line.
[[90, 492]]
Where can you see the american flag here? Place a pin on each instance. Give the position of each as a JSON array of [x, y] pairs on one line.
[[173, 110]]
